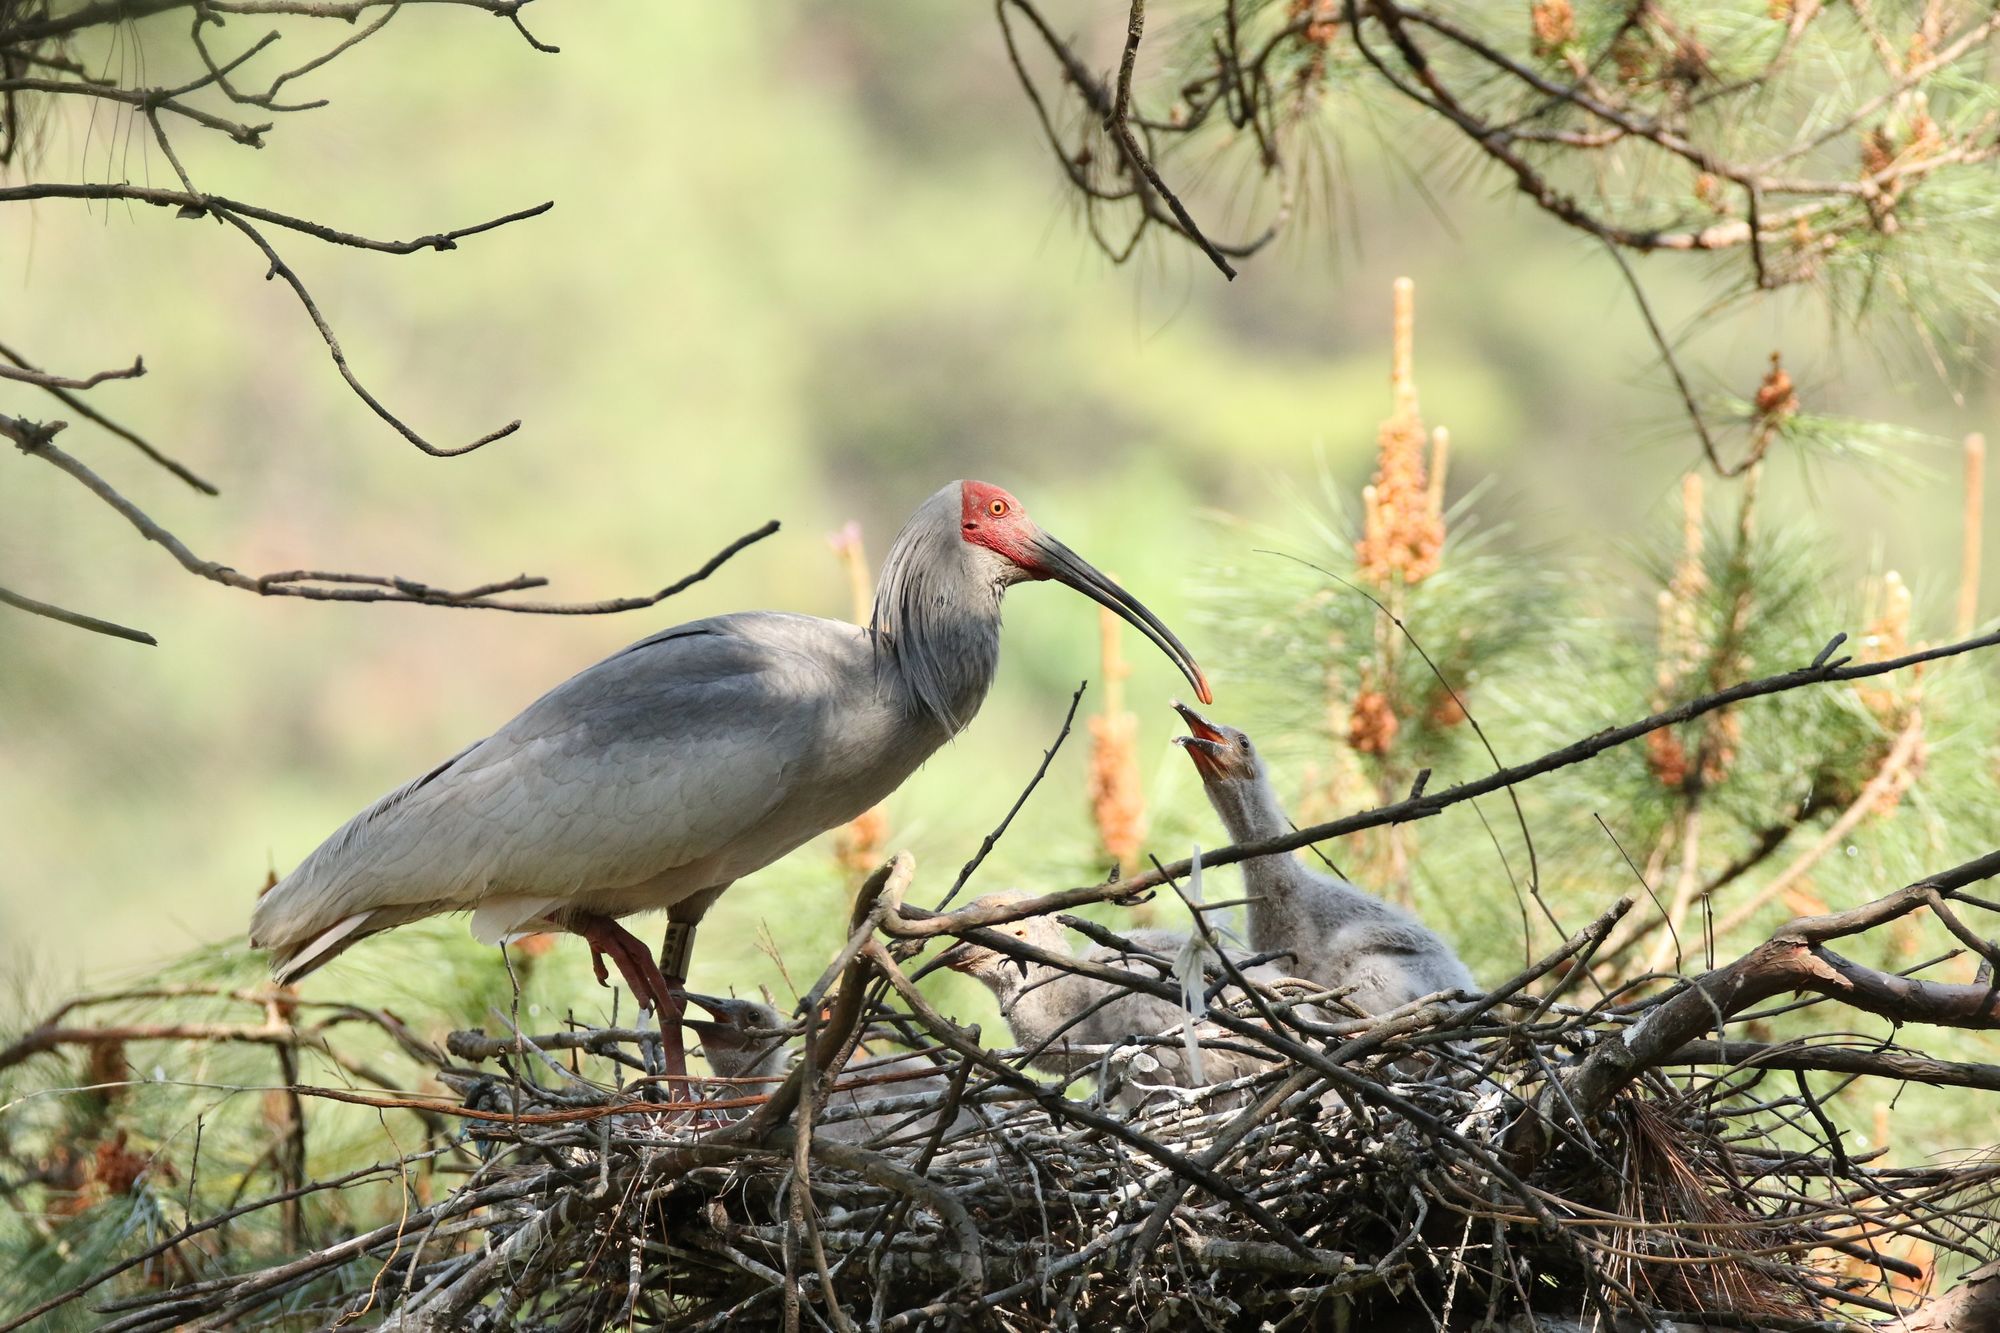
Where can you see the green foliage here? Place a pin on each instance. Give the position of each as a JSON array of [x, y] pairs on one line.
[[1545, 652], [1298, 627], [1864, 135]]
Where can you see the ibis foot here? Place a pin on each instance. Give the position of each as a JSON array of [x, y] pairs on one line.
[[667, 999]]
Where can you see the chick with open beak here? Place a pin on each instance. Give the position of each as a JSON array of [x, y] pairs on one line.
[[1233, 775], [1333, 932], [743, 1039], [1220, 753]]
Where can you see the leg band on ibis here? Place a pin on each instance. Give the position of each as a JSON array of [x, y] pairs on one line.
[[677, 950]]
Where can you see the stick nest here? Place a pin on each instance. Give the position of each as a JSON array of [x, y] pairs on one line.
[[1430, 1166]]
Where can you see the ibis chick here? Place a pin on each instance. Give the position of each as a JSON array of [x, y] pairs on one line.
[[747, 1041], [1334, 933], [744, 1040], [1053, 1012]]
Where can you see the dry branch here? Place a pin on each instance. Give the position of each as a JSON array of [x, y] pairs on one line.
[[1796, 959], [915, 924], [36, 439], [39, 78]]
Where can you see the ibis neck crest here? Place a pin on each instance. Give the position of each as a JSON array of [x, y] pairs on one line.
[[937, 613]]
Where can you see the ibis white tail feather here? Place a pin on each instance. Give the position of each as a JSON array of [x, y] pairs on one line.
[[289, 965]]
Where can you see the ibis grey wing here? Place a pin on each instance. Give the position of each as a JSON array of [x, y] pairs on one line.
[[659, 758]]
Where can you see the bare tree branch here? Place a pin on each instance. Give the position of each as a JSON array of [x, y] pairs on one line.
[[913, 923], [147, 99], [35, 440], [77, 618], [92, 415], [1821, 1056], [35, 70], [120, 11], [41, 379]]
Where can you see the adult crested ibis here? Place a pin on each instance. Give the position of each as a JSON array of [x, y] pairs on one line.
[[663, 774], [1335, 933]]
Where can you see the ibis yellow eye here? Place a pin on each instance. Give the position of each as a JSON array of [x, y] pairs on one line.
[[997, 508]]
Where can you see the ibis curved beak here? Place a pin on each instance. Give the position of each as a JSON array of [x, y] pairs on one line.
[[1058, 562]]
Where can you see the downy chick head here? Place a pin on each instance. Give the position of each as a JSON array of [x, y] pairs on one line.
[[1233, 775], [1221, 754], [1003, 974], [745, 1039]]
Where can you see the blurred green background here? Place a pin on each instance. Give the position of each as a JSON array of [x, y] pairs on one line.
[[806, 262]]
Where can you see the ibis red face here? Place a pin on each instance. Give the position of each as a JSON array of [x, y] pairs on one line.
[[994, 519]]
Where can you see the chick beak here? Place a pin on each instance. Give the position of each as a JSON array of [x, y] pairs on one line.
[[1203, 744], [1199, 727], [715, 1008], [722, 1032]]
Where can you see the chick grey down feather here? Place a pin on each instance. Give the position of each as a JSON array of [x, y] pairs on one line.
[[1060, 1015], [1328, 930], [860, 1115]]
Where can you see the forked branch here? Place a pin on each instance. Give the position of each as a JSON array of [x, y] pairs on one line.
[[36, 439]]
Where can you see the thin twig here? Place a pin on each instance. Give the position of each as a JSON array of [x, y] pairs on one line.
[[348, 587], [76, 618]]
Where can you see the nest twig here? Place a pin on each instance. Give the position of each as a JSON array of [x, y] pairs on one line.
[[1513, 1155]]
